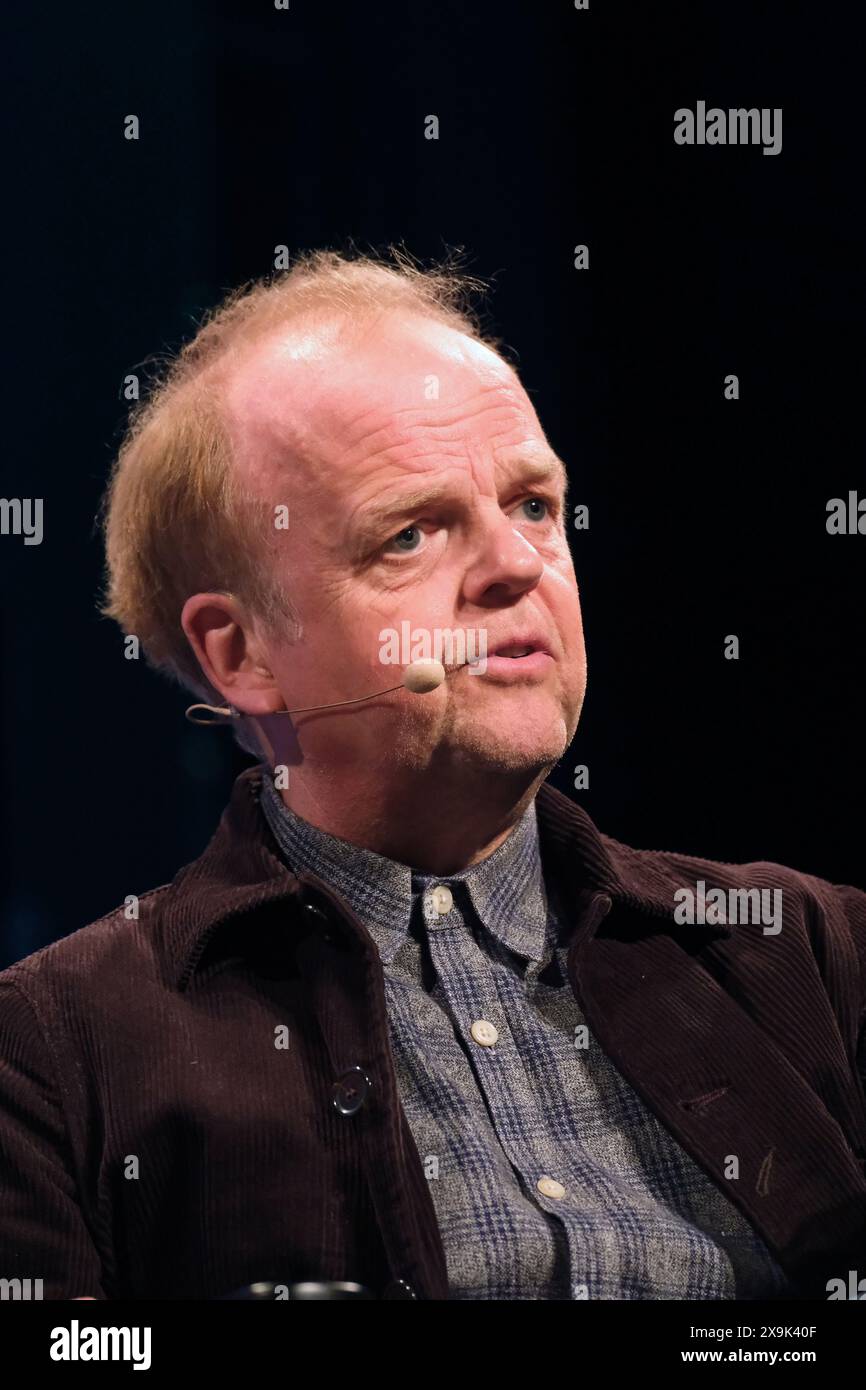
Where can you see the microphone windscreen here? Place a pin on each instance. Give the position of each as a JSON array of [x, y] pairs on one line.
[[423, 675]]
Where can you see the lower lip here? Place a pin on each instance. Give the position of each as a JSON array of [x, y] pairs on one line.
[[516, 668]]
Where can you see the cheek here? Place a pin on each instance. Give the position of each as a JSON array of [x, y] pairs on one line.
[[563, 587], [423, 600], [328, 599], [565, 605]]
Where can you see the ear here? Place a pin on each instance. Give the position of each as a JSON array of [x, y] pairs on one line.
[[227, 648]]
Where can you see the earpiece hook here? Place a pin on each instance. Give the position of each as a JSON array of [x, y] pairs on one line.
[[221, 714]]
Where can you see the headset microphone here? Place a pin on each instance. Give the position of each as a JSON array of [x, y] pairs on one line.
[[420, 677]]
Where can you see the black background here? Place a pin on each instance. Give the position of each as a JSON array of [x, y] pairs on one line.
[[707, 517]]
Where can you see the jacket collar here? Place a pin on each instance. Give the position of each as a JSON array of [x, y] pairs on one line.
[[242, 869]]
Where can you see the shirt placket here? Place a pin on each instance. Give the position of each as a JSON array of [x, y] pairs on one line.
[[604, 1214], [467, 980]]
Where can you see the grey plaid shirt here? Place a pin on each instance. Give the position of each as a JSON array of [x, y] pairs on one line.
[[550, 1178]]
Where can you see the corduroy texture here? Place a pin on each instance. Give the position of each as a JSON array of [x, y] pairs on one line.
[[156, 1142]]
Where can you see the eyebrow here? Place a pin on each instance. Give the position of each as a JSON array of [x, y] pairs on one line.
[[376, 519]]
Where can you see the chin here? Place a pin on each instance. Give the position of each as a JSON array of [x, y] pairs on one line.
[[528, 746]]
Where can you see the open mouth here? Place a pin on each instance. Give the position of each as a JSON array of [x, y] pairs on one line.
[[514, 651], [518, 661]]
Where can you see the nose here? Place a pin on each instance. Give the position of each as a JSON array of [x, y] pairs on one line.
[[505, 564]]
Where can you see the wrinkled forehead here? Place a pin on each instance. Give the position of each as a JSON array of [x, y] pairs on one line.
[[317, 393]]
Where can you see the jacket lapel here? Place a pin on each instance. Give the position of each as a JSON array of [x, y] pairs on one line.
[[718, 1081], [346, 987], [728, 1095]]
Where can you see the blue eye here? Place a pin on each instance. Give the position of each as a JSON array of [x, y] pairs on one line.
[[536, 502], [402, 536]]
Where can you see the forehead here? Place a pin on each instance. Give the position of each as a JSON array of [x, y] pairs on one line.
[[320, 396]]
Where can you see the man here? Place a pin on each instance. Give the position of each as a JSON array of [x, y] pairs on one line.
[[411, 1020]]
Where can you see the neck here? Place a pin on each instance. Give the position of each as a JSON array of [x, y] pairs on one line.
[[433, 820]]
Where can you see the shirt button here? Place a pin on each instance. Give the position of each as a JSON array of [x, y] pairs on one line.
[[440, 898], [350, 1091], [551, 1188], [484, 1032]]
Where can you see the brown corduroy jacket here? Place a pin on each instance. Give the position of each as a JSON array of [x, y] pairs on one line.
[[203, 1096]]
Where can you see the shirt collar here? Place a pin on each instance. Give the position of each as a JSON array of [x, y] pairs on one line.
[[241, 872], [505, 891]]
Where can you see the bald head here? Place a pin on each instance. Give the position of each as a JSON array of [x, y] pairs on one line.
[[382, 400]]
